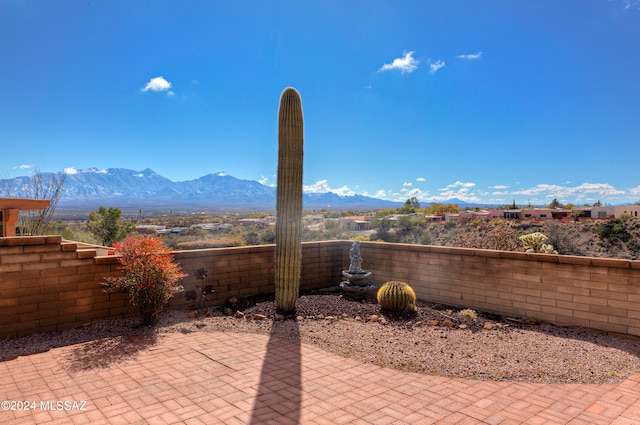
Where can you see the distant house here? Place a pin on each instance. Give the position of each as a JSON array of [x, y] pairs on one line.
[[603, 212], [354, 223], [581, 212], [560, 213], [211, 226], [513, 214], [435, 218], [251, 222], [473, 215], [149, 228], [616, 212], [536, 213]]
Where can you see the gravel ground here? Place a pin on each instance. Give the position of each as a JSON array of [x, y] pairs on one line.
[[438, 340]]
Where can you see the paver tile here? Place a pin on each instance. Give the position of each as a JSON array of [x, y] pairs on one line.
[[180, 378]]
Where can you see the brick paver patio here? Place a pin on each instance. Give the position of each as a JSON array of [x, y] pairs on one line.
[[227, 378]]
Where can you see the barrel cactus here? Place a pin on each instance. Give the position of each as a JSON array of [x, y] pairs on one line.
[[397, 296], [288, 232]]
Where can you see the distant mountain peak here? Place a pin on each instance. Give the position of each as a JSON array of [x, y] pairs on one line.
[[120, 187]]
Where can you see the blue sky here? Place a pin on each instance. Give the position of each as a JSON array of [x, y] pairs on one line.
[[485, 101]]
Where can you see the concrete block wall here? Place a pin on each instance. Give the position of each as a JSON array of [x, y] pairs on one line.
[[250, 270], [596, 293], [48, 285]]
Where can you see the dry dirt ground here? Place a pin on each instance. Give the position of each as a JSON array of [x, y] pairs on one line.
[[438, 340]]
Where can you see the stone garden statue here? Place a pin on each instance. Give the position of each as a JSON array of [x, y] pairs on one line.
[[356, 259], [358, 283]]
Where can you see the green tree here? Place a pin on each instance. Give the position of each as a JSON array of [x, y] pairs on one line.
[[108, 225], [438, 208], [555, 204], [410, 206]]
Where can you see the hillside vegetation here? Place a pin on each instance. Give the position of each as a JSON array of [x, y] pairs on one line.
[[618, 238]]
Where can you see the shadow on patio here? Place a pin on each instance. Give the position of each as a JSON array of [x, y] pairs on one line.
[[102, 353], [279, 394]]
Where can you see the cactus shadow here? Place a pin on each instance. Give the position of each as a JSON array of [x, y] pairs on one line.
[[280, 389]]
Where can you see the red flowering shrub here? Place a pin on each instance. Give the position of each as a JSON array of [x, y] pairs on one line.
[[149, 274]]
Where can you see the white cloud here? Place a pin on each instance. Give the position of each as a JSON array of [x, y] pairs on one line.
[[499, 187], [322, 186], [413, 193], [421, 179], [635, 190], [459, 184], [70, 171], [263, 180], [406, 184], [404, 64], [578, 193], [471, 56], [158, 84], [434, 67]]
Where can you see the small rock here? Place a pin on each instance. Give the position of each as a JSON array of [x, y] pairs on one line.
[[193, 314], [330, 318], [418, 323], [447, 323], [207, 313], [382, 321], [239, 315], [433, 323], [320, 316], [344, 316], [279, 316], [358, 319], [462, 326], [227, 311], [372, 318], [299, 318], [259, 316], [530, 321], [488, 326]]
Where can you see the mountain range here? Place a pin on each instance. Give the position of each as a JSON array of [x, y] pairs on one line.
[[146, 189]]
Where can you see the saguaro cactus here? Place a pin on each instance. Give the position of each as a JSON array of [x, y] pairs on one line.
[[289, 200]]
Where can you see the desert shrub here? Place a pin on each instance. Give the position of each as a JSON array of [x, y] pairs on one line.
[[498, 235], [149, 275], [560, 237], [223, 242], [614, 231], [469, 313]]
